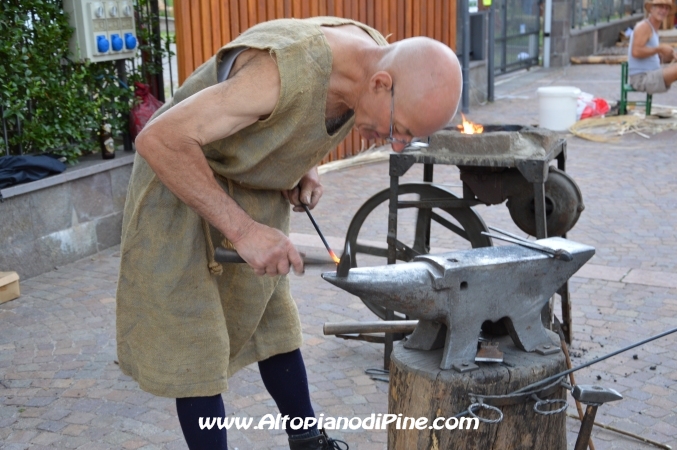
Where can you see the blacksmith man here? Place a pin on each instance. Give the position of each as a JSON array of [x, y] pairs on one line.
[[219, 165]]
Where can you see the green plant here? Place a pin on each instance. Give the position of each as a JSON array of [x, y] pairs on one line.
[[51, 104]]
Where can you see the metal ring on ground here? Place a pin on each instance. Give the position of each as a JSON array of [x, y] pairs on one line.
[[485, 406], [550, 402]]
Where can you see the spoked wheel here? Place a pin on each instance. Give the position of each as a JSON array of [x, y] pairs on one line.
[[452, 226]]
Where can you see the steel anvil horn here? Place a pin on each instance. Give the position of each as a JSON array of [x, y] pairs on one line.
[[454, 293]]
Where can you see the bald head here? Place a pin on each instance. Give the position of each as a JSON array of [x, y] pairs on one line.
[[428, 78]]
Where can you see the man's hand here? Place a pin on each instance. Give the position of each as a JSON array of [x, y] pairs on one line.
[[308, 191], [268, 251], [666, 53]]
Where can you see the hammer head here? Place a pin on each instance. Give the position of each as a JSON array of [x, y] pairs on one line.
[[590, 394]]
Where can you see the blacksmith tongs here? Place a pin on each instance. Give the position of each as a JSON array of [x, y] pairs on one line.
[[560, 254]]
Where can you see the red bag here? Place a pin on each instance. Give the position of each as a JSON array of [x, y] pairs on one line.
[[598, 107], [144, 110]]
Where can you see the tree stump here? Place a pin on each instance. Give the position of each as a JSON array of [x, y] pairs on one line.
[[419, 388]]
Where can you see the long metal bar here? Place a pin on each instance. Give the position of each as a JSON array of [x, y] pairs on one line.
[[557, 254], [596, 360], [490, 55], [391, 326], [317, 228], [504, 43], [557, 376], [437, 203]]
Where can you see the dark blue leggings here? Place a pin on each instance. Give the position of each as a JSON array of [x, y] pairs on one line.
[[285, 379]]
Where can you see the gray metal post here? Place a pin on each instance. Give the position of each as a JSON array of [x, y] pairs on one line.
[[465, 70], [490, 55]]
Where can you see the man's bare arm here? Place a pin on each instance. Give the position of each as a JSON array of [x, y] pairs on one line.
[[641, 36], [171, 144]]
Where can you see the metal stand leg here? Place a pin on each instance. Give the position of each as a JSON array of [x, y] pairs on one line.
[[565, 298], [542, 233], [392, 259]]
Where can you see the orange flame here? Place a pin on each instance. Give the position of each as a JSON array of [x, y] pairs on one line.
[[334, 257], [468, 127]]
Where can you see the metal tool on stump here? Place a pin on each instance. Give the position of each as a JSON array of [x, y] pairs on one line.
[[593, 397]]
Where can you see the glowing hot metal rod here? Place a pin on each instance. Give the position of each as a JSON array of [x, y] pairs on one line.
[[454, 293]]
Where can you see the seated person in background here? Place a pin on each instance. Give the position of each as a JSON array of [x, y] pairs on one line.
[[645, 54]]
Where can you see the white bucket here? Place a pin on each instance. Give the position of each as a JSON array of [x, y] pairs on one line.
[[557, 107]]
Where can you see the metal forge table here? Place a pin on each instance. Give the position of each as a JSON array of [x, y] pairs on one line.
[[505, 162]]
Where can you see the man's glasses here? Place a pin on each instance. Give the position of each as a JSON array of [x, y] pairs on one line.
[[415, 142]]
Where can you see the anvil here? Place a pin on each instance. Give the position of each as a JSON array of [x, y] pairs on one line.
[[453, 294]]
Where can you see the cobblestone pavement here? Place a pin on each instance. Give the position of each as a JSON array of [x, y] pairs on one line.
[[61, 388]]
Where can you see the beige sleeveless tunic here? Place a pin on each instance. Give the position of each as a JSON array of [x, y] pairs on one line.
[[182, 331]]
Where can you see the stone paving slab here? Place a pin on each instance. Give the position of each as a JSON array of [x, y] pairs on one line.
[[61, 388]]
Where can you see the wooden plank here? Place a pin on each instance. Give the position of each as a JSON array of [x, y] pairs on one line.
[[234, 19], [252, 11], [323, 8], [215, 23], [184, 48], [362, 17], [288, 9], [445, 22], [243, 16], [305, 9], [225, 23], [261, 12], [270, 9], [338, 8], [430, 25], [370, 14], [196, 36], [205, 29], [314, 8], [408, 16], [296, 9], [416, 18], [400, 20], [601, 59], [378, 16], [452, 24], [438, 21], [392, 7], [349, 144], [279, 9], [356, 142]]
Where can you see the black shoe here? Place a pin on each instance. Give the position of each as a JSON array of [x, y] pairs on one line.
[[321, 442]]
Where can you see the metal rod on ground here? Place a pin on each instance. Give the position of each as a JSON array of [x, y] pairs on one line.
[[565, 349], [625, 433]]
